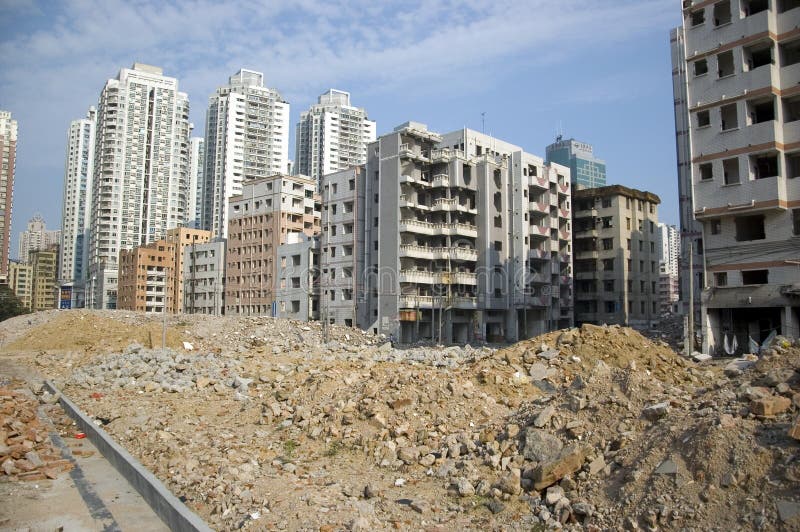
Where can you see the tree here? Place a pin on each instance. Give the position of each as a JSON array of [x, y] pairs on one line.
[[10, 305]]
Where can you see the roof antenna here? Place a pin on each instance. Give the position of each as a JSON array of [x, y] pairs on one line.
[[483, 122], [560, 134]]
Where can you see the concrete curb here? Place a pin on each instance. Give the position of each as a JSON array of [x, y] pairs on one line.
[[176, 515]]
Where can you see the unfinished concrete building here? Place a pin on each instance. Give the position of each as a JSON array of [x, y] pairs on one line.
[[616, 256], [467, 238], [298, 293], [204, 278], [261, 219], [147, 278], [742, 116], [20, 281], [183, 237]]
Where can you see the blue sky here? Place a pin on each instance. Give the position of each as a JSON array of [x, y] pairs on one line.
[[597, 69]]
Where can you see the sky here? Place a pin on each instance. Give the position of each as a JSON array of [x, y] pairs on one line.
[[595, 70]]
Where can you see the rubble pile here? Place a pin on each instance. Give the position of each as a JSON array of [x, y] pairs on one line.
[[260, 423], [25, 449]]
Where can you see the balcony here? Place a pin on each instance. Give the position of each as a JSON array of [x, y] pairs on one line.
[[456, 253], [564, 257], [444, 204], [412, 301], [751, 195], [463, 278], [540, 230], [540, 207], [414, 181], [416, 252], [456, 230], [413, 152], [441, 180], [564, 234], [416, 276], [536, 253], [540, 182], [415, 226], [468, 303]]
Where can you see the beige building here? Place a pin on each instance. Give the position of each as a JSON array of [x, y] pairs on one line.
[[147, 278], [44, 265], [183, 237], [20, 280], [616, 256], [738, 113], [260, 219], [8, 153]]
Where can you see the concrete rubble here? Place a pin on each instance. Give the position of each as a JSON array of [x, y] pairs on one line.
[[589, 428]]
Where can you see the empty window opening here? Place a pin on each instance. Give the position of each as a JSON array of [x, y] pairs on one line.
[[796, 221], [791, 109], [764, 165], [752, 7], [706, 171], [697, 17], [716, 227], [721, 279], [755, 277], [730, 170], [786, 5], [728, 116], [790, 53], [700, 67], [725, 64], [792, 165], [760, 111], [703, 118], [757, 55], [750, 228], [722, 13]]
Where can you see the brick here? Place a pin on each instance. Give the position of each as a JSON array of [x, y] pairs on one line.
[[770, 406]]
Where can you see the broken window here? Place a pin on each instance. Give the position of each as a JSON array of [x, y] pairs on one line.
[[750, 228], [752, 7], [764, 165], [700, 67], [760, 111], [697, 17], [703, 118], [721, 279], [722, 13], [725, 64], [757, 55], [755, 277], [729, 117], [706, 171], [730, 169]]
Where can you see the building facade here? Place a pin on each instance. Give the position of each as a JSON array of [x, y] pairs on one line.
[[194, 206], [8, 154], [141, 171], [616, 256], [44, 265], [298, 293], [182, 238], [586, 170], [204, 278], [20, 281], [36, 236], [247, 137], [75, 223], [742, 69], [669, 246], [342, 274], [263, 217], [147, 278], [332, 136], [467, 238]]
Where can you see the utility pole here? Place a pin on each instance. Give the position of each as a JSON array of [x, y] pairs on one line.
[[690, 339]]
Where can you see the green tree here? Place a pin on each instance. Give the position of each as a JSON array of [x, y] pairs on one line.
[[10, 305]]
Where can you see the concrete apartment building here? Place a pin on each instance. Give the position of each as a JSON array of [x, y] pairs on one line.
[[75, 223], [8, 154], [182, 238], [44, 266], [669, 246], [194, 208], [342, 243], [147, 278], [298, 293], [616, 256], [204, 278], [140, 182], [742, 101], [36, 236], [586, 170], [332, 136], [20, 281], [247, 137], [262, 218], [467, 238]]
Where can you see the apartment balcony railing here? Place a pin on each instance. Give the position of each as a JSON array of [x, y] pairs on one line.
[[465, 302], [564, 257], [539, 206], [539, 254], [540, 230], [417, 252], [416, 276], [416, 226], [412, 301], [440, 253], [465, 278], [564, 234], [446, 155], [413, 180], [457, 229], [441, 180], [541, 182]]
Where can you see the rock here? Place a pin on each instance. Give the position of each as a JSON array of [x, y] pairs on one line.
[[794, 431], [409, 455], [495, 506], [553, 495], [788, 510], [583, 509], [512, 430], [770, 406], [202, 382], [187, 346], [510, 482], [549, 354], [9, 468], [369, 492], [400, 404], [544, 417], [736, 367], [568, 461], [667, 467], [540, 372], [464, 487], [360, 524], [597, 465], [420, 506], [656, 411], [33, 458], [541, 445], [427, 460]]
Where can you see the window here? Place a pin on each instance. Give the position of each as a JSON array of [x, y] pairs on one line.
[[608, 265], [606, 202], [628, 223], [752, 7], [760, 111], [652, 247], [629, 244], [641, 245], [607, 222], [764, 165], [721, 279], [608, 243], [642, 307], [608, 286], [725, 64], [749, 228], [706, 172], [697, 17], [786, 5], [703, 118], [716, 227], [757, 55], [722, 13], [728, 117], [700, 67], [627, 203], [755, 277], [796, 221], [730, 171], [610, 307], [792, 165]]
